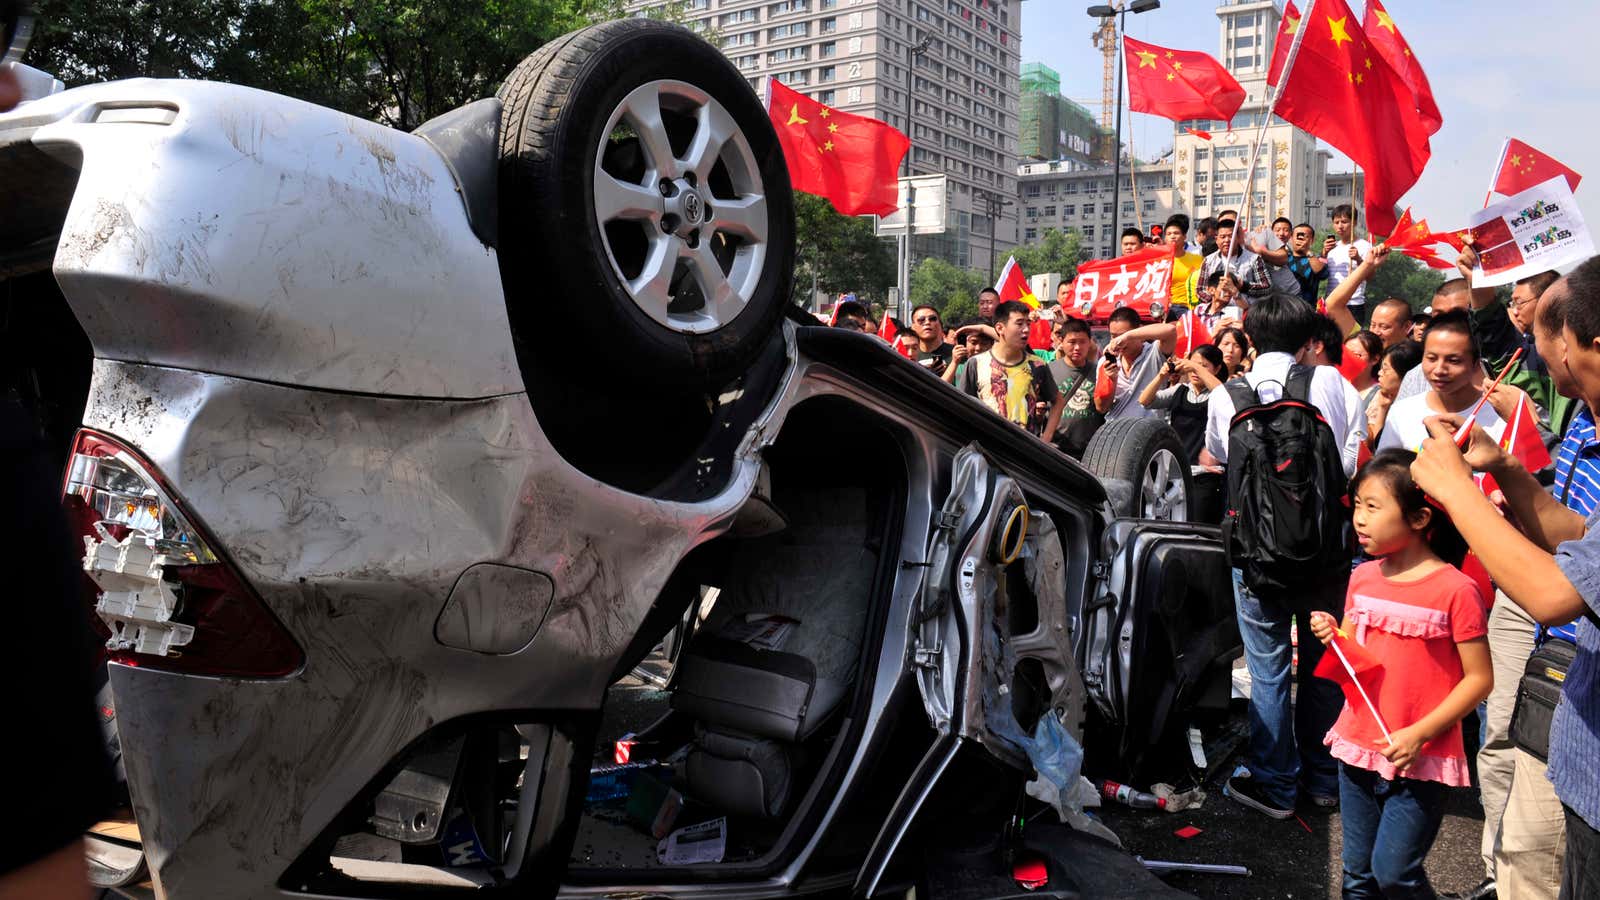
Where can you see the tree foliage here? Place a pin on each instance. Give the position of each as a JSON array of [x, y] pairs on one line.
[[1053, 252], [953, 290], [1406, 278], [399, 62], [841, 252]]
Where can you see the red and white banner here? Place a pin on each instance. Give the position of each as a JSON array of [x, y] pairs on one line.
[[1142, 281]]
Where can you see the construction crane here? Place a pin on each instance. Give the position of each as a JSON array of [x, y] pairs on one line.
[[1105, 37]]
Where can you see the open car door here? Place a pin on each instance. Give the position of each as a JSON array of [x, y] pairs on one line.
[[1159, 635], [993, 646]]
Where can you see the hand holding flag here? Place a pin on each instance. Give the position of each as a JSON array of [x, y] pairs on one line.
[[1353, 660]]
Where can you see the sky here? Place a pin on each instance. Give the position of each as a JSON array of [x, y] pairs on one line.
[[1529, 70]]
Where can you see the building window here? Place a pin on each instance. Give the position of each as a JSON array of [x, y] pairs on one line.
[[1068, 210], [787, 6], [1149, 206], [1032, 212], [1088, 210], [1029, 234], [1088, 232], [798, 29], [1031, 190], [794, 79], [1127, 209], [1049, 212], [738, 18], [827, 50], [788, 54], [748, 39], [825, 74], [1070, 187], [828, 25], [825, 97]]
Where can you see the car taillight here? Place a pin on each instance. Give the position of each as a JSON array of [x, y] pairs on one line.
[[163, 597]]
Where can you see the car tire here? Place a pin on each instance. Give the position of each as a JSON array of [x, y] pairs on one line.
[[1146, 454], [645, 206]]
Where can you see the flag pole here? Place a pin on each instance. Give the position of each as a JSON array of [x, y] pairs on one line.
[[1272, 103], [1351, 671], [1494, 176]]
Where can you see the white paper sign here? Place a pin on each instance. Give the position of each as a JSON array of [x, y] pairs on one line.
[[1538, 229], [695, 845]]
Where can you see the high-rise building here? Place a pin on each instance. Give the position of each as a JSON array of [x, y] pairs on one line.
[[1054, 127], [958, 101], [1206, 177]]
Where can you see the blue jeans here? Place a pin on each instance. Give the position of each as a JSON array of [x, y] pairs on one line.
[[1285, 747], [1388, 828]]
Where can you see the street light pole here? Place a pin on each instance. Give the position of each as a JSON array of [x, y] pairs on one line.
[[913, 51], [1120, 13]]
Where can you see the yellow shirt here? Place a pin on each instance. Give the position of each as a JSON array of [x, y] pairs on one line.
[[1185, 266]]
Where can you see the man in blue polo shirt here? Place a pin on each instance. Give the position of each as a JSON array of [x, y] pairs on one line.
[[1552, 571]]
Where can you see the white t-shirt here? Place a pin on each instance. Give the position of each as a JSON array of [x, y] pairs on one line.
[[1404, 427], [1330, 394], [1131, 383], [1339, 266]]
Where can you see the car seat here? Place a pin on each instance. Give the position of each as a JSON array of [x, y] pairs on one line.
[[779, 650]]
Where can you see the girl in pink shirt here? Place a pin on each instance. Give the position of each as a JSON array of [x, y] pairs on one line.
[[1424, 621]]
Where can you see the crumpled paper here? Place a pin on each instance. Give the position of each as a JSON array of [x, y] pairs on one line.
[[1177, 802]]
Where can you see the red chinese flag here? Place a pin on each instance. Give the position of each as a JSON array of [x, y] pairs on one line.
[[1521, 438], [1392, 46], [887, 329], [851, 160], [1192, 333], [1409, 235], [1362, 660], [1202, 135], [1522, 167], [1287, 26], [1342, 91], [1013, 284], [1179, 84]]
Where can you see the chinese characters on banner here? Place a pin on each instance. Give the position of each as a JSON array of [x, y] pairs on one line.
[[1141, 281], [1538, 229]]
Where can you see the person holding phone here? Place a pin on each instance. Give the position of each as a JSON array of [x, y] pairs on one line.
[[1345, 252]]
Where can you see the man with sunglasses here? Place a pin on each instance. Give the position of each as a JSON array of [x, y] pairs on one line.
[[933, 352]]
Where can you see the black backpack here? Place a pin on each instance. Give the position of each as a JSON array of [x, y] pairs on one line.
[[1287, 520]]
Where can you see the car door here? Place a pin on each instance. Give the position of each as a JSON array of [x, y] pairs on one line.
[[993, 648], [993, 642], [1159, 630]]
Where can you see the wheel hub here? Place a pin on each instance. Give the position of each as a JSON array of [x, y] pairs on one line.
[[701, 205], [683, 209]]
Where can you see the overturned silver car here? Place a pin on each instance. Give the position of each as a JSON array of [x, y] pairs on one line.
[[463, 511]]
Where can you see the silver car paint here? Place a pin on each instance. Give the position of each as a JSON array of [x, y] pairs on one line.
[[294, 323], [270, 239]]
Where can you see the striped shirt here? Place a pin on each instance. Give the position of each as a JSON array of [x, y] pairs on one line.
[[1577, 483], [1574, 740]]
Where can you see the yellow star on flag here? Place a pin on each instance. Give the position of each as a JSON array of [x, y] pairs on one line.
[[1293, 26], [1178, 66], [1170, 76], [794, 116], [1516, 160], [1360, 77], [1369, 62], [1406, 51], [832, 128], [1169, 54], [1146, 58], [1336, 30], [828, 146], [826, 112], [1385, 21]]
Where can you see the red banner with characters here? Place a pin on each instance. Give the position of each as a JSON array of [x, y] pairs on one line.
[[1142, 282]]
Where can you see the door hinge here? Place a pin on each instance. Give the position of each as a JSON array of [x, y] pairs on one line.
[[928, 657]]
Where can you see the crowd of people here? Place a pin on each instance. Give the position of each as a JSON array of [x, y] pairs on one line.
[[1466, 553]]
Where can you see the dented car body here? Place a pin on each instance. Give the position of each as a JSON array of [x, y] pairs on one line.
[[371, 610]]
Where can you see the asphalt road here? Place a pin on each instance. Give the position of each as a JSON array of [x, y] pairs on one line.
[[1294, 858]]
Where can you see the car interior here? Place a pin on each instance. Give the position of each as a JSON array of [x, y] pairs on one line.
[[734, 715]]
